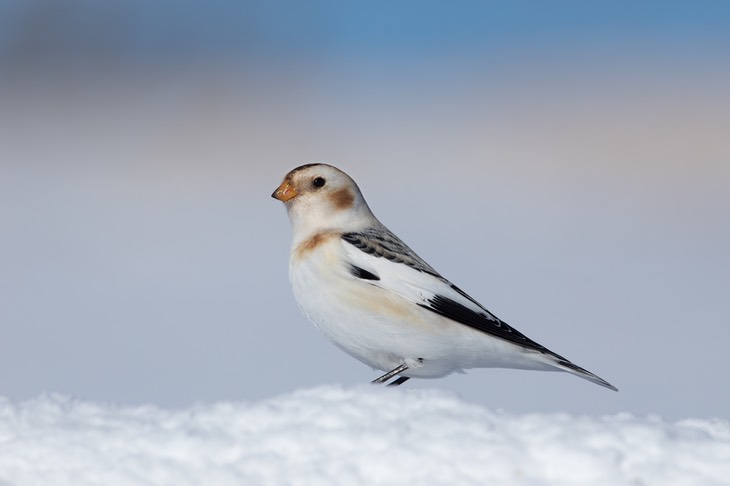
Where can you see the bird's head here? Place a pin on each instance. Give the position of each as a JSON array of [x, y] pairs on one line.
[[320, 197]]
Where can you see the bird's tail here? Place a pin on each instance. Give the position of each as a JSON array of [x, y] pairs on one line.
[[565, 365]]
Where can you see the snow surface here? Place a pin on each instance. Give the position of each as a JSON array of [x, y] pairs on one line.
[[336, 435]]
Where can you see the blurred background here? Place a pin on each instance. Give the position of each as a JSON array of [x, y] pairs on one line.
[[567, 163]]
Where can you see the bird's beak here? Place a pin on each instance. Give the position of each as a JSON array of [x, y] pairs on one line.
[[284, 192]]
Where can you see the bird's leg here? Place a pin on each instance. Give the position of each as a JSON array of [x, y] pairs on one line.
[[391, 374], [399, 381]]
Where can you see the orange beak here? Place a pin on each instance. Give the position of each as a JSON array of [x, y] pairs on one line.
[[284, 192]]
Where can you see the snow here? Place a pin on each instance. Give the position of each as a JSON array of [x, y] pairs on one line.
[[339, 435]]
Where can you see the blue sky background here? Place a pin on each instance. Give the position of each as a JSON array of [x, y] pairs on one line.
[[564, 162], [170, 31]]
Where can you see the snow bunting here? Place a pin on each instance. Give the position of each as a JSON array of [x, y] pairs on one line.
[[381, 303]]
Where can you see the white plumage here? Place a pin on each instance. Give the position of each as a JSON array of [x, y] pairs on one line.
[[371, 295]]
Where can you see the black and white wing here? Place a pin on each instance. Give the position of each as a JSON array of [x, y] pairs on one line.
[[384, 260], [378, 255]]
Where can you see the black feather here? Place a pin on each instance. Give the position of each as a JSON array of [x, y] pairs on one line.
[[482, 321], [362, 273]]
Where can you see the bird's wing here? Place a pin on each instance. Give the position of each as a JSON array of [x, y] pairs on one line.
[[381, 258]]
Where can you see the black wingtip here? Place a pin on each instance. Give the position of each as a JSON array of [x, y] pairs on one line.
[[585, 374]]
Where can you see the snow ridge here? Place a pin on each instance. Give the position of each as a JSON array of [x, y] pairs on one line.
[[338, 435]]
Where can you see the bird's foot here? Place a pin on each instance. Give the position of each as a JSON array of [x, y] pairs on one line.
[[391, 374]]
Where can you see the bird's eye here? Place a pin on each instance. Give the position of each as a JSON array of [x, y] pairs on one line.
[[318, 182]]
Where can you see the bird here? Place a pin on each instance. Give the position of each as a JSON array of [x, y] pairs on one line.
[[379, 302]]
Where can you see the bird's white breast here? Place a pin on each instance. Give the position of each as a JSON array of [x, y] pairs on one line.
[[350, 312]]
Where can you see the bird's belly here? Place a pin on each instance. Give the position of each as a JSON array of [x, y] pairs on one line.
[[356, 319], [382, 329]]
